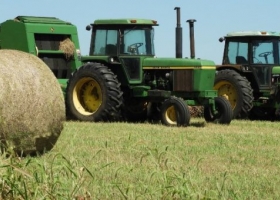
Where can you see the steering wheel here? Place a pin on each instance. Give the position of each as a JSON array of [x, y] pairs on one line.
[[265, 54], [136, 45], [133, 48]]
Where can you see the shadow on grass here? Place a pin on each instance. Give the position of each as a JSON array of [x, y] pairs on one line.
[[198, 124]]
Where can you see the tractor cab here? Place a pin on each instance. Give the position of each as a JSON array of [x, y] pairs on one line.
[[123, 42], [134, 37], [254, 52]]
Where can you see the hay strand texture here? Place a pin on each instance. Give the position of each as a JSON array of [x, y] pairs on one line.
[[68, 48], [32, 109]]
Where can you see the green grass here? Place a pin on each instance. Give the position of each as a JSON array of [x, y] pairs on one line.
[[151, 161]]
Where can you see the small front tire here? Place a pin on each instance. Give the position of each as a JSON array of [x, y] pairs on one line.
[[175, 112], [223, 113]]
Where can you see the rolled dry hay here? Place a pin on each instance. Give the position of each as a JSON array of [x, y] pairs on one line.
[[196, 111], [68, 48], [32, 108]]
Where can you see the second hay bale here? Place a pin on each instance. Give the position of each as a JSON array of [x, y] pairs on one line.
[[68, 48], [32, 109]]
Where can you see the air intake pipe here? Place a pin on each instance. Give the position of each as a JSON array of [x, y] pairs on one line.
[[191, 23], [178, 30]]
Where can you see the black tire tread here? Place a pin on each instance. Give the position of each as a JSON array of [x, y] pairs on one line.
[[225, 112], [184, 116], [111, 109], [243, 88]]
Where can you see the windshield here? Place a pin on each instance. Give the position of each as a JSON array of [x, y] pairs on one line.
[[137, 42], [123, 41], [263, 52]]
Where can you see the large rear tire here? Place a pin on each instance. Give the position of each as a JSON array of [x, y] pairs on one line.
[[237, 90], [223, 113], [93, 94], [175, 112]]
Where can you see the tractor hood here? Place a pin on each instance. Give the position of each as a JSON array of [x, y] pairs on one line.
[[276, 70], [177, 63], [198, 75]]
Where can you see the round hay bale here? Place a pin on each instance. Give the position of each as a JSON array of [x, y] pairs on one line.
[[32, 108]]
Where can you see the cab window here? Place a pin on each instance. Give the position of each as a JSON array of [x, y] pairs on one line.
[[237, 53], [263, 52], [105, 42]]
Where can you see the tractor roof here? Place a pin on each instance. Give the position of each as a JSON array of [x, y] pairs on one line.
[[131, 21], [252, 33]]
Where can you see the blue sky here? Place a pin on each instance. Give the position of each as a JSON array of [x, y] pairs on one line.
[[214, 19]]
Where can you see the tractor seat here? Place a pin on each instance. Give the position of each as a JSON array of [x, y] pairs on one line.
[[241, 60], [111, 49]]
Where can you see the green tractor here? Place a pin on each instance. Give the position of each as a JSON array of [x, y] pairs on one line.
[[121, 79], [53, 40], [249, 74]]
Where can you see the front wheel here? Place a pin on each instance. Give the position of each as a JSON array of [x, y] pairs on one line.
[[222, 114], [93, 94], [175, 112]]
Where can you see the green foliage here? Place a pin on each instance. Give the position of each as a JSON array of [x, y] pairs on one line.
[[150, 161]]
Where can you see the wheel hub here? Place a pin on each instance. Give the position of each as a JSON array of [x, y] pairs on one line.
[[90, 96], [170, 115], [227, 90], [87, 96]]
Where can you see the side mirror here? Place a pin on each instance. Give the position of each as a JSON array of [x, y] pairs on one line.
[[88, 27], [221, 39]]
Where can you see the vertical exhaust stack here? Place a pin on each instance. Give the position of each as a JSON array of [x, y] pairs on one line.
[[178, 30], [191, 22]]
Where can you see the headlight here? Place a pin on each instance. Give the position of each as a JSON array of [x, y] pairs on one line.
[[78, 52]]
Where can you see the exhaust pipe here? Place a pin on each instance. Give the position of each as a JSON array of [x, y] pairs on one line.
[[178, 33], [191, 22]]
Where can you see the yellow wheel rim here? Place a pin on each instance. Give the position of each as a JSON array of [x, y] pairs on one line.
[[227, 90], [87, 96], [170, 115]]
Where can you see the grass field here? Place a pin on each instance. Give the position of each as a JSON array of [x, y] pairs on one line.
[[151, 161]]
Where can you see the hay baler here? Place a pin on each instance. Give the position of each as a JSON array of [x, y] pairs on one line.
[[122, 78], [53, 40]]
